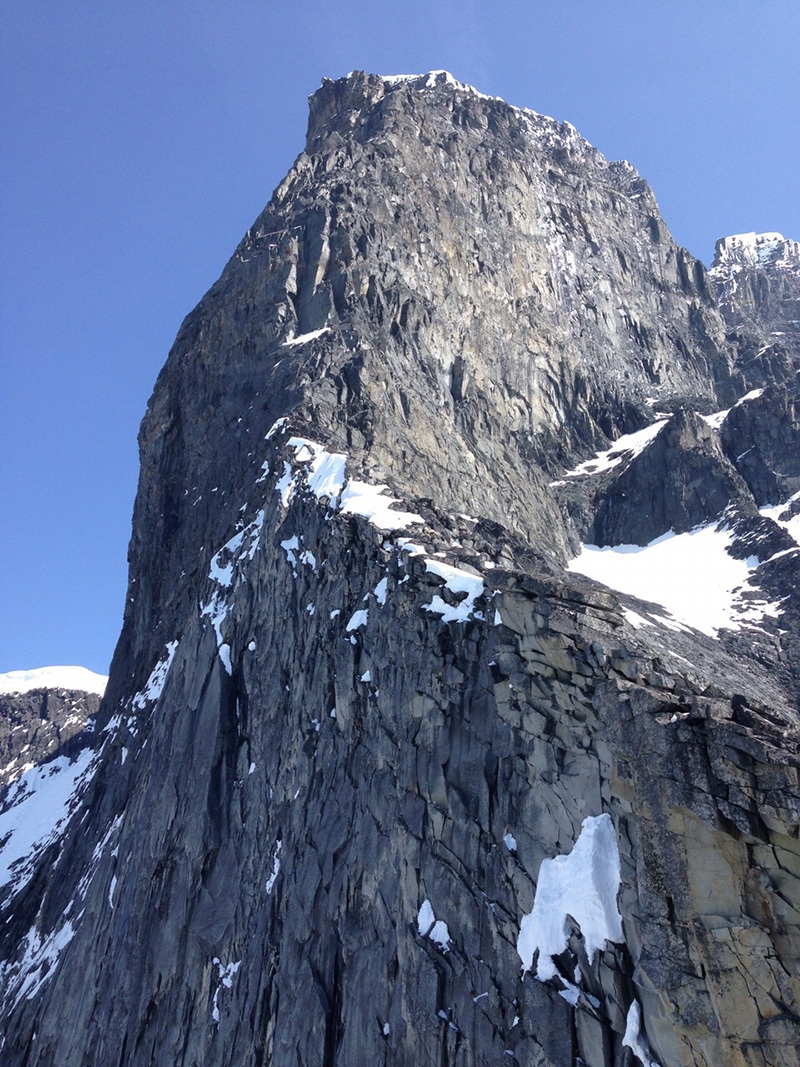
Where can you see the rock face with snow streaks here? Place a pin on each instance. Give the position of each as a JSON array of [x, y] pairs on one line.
[[756, 277], [376, 778]]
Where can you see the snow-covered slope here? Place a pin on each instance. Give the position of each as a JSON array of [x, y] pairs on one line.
[[71, 678]]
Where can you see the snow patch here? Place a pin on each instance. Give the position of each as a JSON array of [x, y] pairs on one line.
[[358, 618], [158, 676], [305, 338], [38, 964], [691, 574], [626, 447], [459, 582], [583, 884], [634, 1039], [434, 929], [276, 868], [225, 975]]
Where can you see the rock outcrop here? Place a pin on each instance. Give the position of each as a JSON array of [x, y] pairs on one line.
[[756, 277], [383, 778]]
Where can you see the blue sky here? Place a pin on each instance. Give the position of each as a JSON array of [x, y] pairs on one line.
[[142, 139]]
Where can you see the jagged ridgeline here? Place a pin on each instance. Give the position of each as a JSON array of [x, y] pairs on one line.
[[383, 775]]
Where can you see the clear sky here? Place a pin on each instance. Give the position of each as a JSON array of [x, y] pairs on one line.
[[140, 140]]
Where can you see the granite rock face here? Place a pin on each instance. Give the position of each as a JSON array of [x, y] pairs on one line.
[[351, 738], [756, 277], [37, 723]]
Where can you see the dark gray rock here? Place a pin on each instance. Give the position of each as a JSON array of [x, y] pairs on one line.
[[36, 724]]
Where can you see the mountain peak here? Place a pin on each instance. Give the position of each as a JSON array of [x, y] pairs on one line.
[[79, 679], [754, 250]]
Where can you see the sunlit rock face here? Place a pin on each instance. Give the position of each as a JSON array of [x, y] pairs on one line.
[[383, 773], [756, 278]]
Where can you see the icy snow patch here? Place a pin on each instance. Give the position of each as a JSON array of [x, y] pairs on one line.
[[625, 447], [432, 928], [226, 975], [362, 498], [36, 810], [583, 884], [217, 610], [716, 419], [634, 1039], [304, 338], [380, 590], [690, 574], [158, 676], [276, 868], [358, 618], [457, 581], [754, 394], [291, 546], [77, 678]]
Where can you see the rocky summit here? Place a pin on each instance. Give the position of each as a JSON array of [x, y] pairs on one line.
[[454, 718]]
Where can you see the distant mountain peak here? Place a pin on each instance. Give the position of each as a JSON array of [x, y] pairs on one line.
[[78, 679], [754, 250]]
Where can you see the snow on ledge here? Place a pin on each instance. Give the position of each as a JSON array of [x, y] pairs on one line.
[[625, 447], [583, 884], [75, 678]]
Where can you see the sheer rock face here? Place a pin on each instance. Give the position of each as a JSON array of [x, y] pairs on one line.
[[338, 742]]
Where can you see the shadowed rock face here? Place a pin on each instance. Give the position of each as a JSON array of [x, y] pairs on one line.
[[340, 739], [35, 724]]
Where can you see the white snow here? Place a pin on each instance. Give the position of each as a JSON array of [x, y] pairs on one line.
[[291, 546], [774, 511], [457, 581], [226, 975], [36, 810], [304, 338], [77, 678], [431, 927], [634, 1039], [582, 884], [716, 419], [380, 591], [362, 498], [276, 868], [440, 935], [276, 427], [690, 574], [625, 447], [746, 249], [158, 676], [425, 918], [510, 842], [433, 78], [754, 394], [358, 618], [217, 610]]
